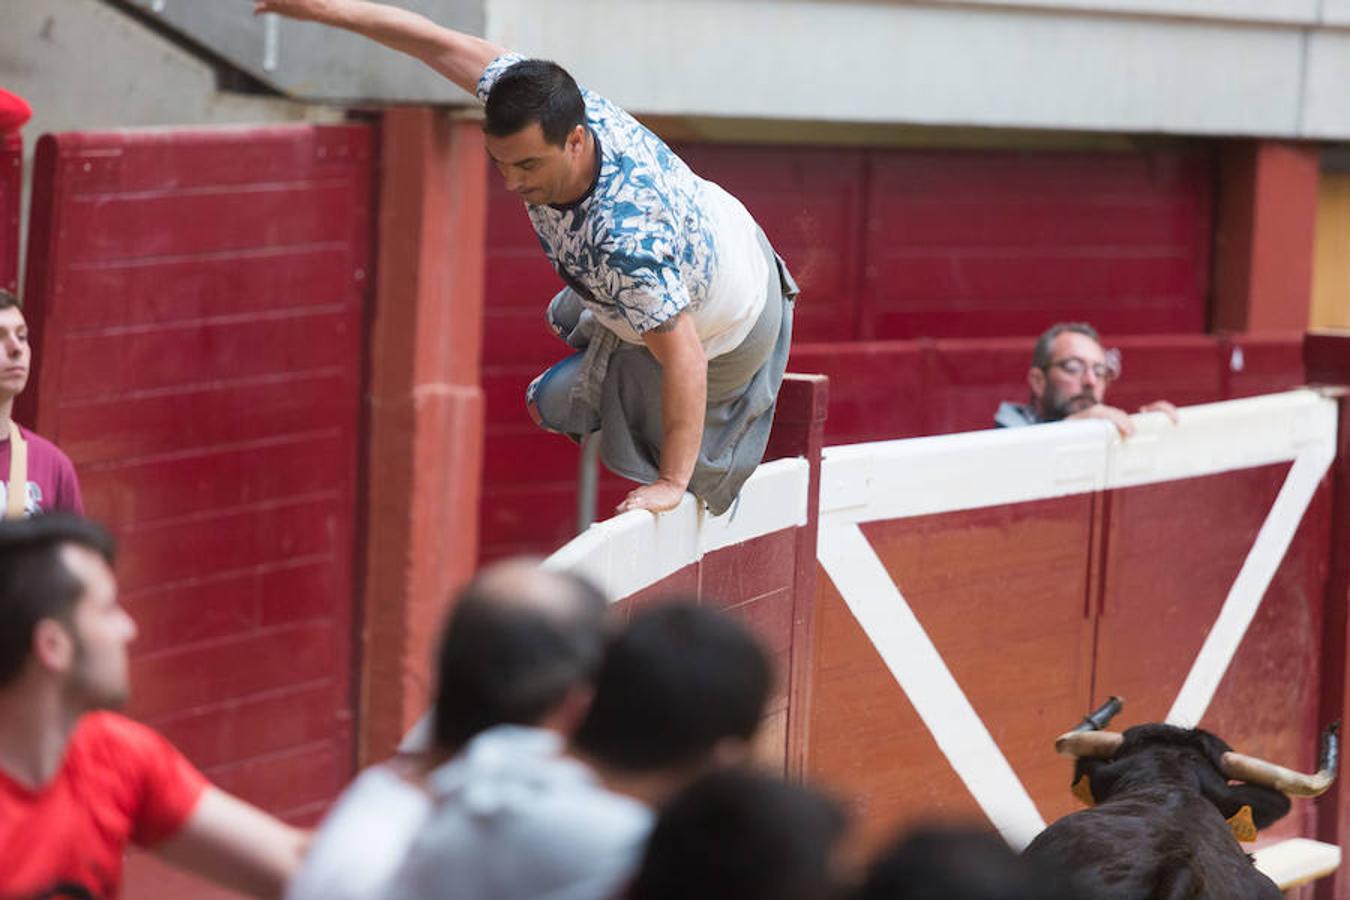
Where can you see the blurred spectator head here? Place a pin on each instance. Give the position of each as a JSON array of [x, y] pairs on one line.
[[682, 687], [60, 621], [738, 835], [937, 863], [520, 646]]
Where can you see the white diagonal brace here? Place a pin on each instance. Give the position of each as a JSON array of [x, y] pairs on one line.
[[1244, 597], [897, 635]]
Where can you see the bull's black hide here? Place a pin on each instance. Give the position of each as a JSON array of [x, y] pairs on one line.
[[1159, 829]]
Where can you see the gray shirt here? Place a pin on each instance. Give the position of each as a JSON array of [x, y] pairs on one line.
[[1014, 415], [515, 818], [362, 841]]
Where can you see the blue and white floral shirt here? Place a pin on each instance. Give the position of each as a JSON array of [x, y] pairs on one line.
[[651, 239]]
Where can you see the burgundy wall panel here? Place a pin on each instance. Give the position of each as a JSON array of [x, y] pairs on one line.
[[11, 185], [810, 203], [886, 245], [982, 244], [880, 390], [1262, 364], [756, 583], [198, 298]]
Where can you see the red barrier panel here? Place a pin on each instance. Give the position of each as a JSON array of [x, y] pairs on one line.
[[982, 591], [197, 301], [11, 184], [982, 243], [1327, 357], [756, 561]]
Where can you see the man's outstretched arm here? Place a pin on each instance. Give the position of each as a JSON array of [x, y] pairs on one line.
[[236, 845], [459, 57]]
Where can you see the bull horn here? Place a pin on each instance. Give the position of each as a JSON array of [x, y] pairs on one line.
[[1296, 784], [1099, 744]]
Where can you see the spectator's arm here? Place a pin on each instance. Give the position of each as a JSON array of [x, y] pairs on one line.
[[459, 57], [236, 845]]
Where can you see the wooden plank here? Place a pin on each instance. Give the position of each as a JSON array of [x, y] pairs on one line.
[[124, 494], [198, 301], [999, 592], [163, 292], [117, 362], [236, 668], [116, 226]]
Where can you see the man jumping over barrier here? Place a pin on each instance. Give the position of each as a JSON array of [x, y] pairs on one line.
[[678, 309]]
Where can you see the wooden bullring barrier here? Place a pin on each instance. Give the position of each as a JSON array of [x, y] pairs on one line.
[[978, 592]]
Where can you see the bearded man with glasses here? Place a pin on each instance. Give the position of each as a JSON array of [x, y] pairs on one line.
[[1070, 372]]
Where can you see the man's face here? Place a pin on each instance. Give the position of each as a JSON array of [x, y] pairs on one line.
[[537, 171], [1073, 381], [101, 629], [15, 354]]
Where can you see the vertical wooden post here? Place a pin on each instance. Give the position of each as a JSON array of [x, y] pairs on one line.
[[424, 462], [1327, 359], [1264, 237], [799, 430]]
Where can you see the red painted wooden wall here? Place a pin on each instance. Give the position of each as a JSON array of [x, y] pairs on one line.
[[768, 583], [1043, 609], [882, 390], [11, 183], [887, 245], [197, 304]]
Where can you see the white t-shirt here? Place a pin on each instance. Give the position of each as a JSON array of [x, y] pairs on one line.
[[651, 239], [363, 840], [517, 819]]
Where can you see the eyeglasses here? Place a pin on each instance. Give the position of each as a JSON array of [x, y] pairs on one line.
[[1074, 366]]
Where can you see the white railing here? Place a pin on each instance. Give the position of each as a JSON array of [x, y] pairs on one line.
[[633, 551], [920, 476]]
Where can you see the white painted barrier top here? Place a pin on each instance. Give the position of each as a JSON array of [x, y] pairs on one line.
[[632, 551], [920, 476]]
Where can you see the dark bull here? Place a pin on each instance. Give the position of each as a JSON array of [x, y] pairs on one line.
[[1167, 815]]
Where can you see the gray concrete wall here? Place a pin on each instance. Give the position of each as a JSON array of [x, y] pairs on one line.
[[1273, 68], [310, 62], [1192, 67], [84, 65]]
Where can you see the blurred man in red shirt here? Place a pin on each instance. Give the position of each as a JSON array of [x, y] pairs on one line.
[[78, 782]]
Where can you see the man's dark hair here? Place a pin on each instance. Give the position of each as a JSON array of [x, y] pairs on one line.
[[516, 642], [950, 863], [677, 681], [1040, 357], [8, 300], [35, 583], [737, 835], [534, 90]]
